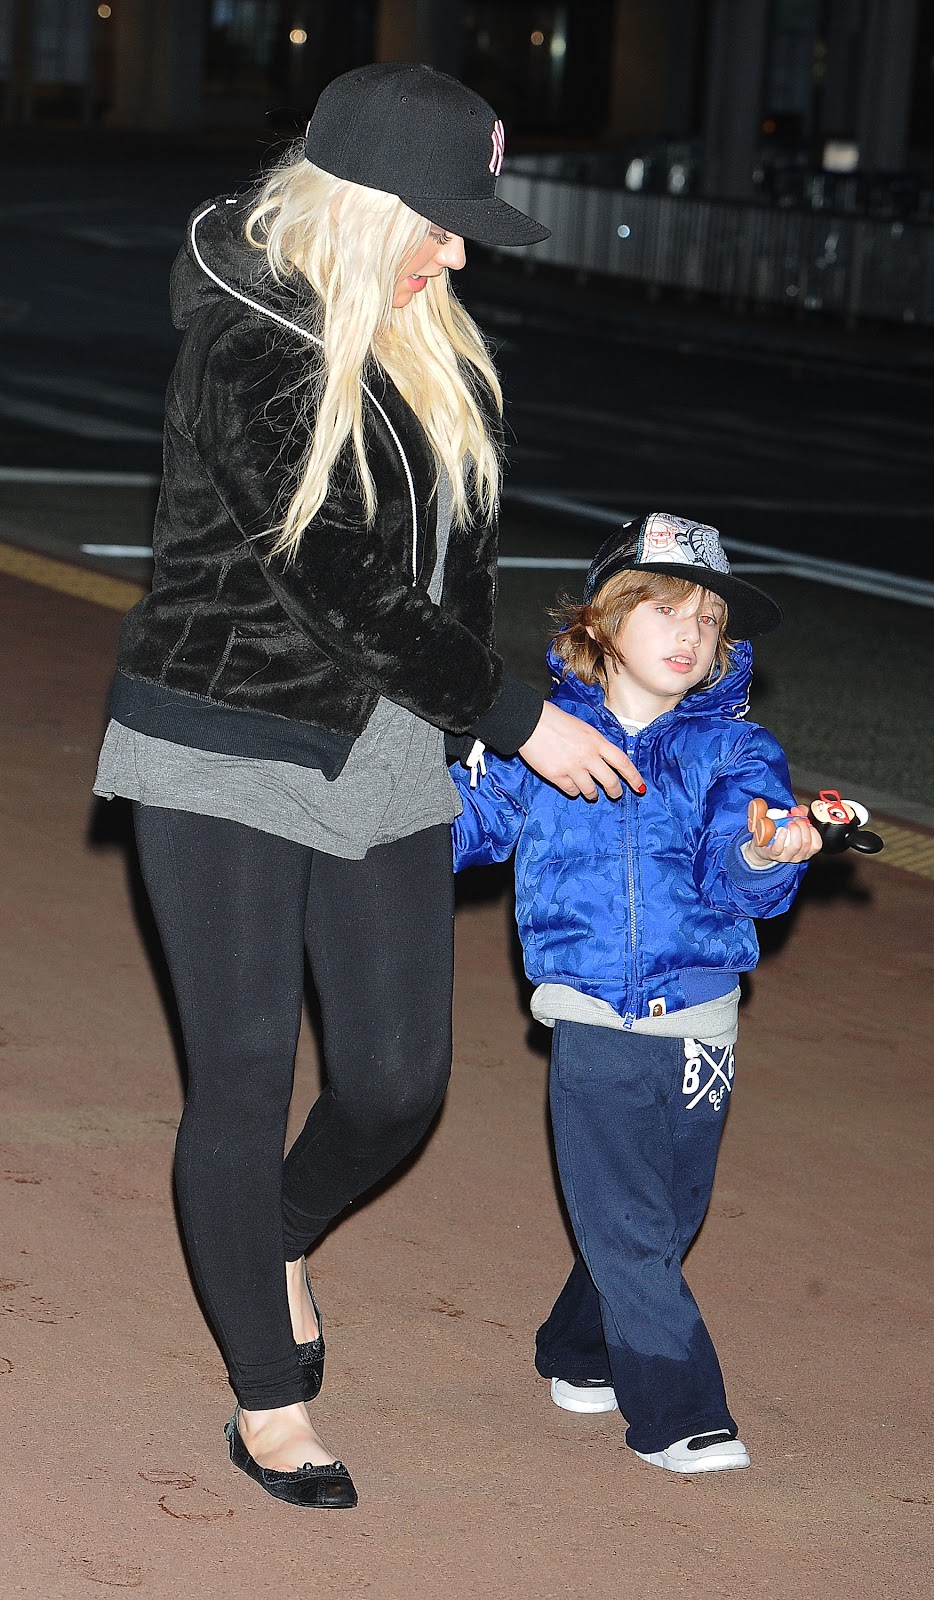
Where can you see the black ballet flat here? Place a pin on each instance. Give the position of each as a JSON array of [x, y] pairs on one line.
[[329, 1487], [311, 1353]]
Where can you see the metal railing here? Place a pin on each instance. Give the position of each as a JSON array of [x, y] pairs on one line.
[[853, 266]]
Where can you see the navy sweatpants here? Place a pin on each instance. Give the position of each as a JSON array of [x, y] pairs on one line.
[[637, 1122]]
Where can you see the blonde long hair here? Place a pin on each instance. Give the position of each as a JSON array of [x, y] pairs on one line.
[[351, 244]]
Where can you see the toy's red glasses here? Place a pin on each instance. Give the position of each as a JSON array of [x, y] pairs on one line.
[[836, 810]]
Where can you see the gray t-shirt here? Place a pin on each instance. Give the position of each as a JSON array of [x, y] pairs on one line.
[[394, 783]]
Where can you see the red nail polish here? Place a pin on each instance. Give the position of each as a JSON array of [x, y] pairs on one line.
[[641, 789]]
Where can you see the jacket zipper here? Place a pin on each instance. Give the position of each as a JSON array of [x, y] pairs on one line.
[[630, 1015], [312, 338]]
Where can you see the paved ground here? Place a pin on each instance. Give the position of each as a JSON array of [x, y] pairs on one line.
[[810, 1265]]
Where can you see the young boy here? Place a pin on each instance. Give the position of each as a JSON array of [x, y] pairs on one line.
[[636, 921]]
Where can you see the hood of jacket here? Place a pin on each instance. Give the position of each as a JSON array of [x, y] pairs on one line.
[[217, 263], [727, 699]]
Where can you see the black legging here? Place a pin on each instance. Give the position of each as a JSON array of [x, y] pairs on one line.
[[235, 909]]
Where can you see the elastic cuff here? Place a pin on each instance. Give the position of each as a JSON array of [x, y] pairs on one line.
[[511, 719], [758, 879]]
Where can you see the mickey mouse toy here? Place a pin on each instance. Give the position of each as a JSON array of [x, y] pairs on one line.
[[840, 823]]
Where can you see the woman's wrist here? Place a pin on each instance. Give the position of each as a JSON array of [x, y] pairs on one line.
[[511, 719], [577, 758]]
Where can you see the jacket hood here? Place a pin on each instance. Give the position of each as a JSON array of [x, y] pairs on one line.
[[728, 698], [217, 263]]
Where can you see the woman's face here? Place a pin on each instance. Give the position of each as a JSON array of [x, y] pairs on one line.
[[439, 252]]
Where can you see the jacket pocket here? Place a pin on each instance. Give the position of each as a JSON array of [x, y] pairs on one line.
[[256, 656]]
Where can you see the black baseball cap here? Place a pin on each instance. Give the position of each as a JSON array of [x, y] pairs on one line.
[[417, 133], [680, 548]]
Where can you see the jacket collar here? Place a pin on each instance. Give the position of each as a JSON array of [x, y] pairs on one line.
[[728, 699]]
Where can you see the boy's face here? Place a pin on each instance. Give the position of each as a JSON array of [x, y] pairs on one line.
[[667, 647]]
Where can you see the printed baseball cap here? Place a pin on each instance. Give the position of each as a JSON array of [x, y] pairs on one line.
[[680, 548]]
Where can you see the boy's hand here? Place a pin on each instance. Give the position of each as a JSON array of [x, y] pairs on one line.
[[797, 841], [576, 758]]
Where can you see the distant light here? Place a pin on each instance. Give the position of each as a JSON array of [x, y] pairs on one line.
[[840, 155], [635, 173], [298, 36], [104, 11], [559, 44], [537, 37], [622, 231], [677, 178], [769, 125]]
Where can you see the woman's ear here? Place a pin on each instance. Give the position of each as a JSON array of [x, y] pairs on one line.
[[589, 630]]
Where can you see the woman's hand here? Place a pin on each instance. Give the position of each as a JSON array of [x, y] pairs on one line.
[[576, 758], [798, 841]]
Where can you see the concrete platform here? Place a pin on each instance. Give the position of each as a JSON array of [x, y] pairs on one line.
[[812, 1267]]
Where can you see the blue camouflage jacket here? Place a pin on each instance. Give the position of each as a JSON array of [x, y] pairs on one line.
[[643, 898]]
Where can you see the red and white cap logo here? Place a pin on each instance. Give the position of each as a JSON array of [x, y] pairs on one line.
[[499, 147]]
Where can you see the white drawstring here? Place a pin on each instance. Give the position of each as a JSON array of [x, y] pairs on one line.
[[475, 763]]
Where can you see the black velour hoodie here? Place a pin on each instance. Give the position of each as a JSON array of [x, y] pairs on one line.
[[236, 652]]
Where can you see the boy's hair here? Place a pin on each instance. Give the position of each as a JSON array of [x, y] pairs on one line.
[[606, 613]]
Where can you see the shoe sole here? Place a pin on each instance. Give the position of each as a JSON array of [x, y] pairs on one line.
[[713, 1464], [583, 1407]]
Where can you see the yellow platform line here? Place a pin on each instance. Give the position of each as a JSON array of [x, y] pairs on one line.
[[911, 850], [117, 594]]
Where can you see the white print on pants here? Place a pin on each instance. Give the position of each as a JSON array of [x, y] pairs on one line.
[[697, 1059]]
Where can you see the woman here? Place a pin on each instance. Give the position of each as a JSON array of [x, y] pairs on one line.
[[321, 614]]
